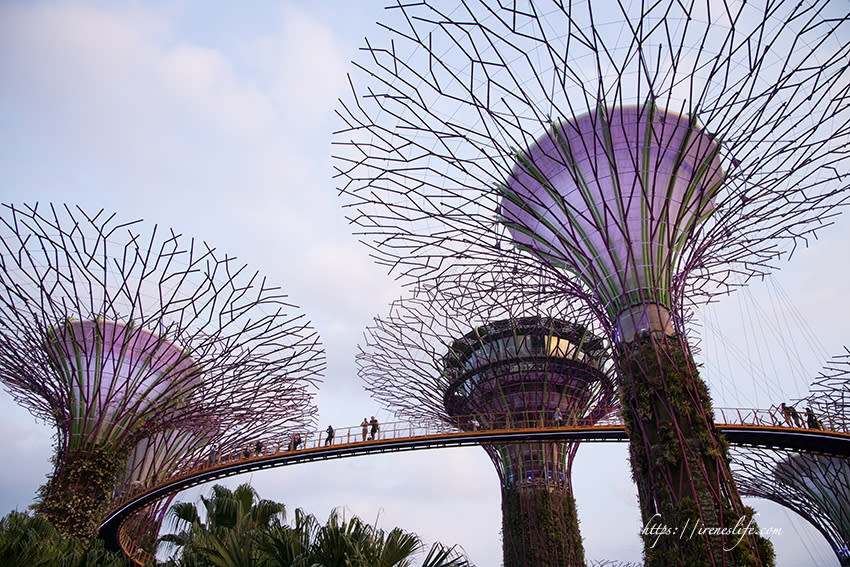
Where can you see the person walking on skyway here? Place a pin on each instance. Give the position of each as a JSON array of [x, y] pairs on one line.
[[330, 438], [795, 415], [365, 427], [294, 442], [786, 413], [811, 420], [375, 428]]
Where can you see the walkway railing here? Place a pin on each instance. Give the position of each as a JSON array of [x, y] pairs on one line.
[[398, 430], [317, 442]]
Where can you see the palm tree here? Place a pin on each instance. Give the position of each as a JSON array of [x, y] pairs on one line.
[[229, 536], [27, 541], [287, 546], [35, 542], [353, 543], [342, 542], [442, 556], [240, 530]]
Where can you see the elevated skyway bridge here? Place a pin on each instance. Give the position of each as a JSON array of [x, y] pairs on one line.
[[741, 427]]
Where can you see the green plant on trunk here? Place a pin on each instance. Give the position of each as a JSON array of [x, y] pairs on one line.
[[540, 528], [75, 497], [681, 466]]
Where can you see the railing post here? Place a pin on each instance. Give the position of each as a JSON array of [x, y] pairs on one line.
[[773, 419]]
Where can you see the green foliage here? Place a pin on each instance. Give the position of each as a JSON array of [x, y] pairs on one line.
[[76, 496], [241, 530], [34, 542], [679, 461], [229, 536], [540, 528]]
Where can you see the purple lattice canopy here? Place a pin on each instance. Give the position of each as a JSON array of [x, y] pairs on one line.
[[613, 196], [153, 458], [117, 372], [823, 483]]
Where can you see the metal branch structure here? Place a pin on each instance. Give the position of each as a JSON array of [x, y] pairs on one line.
[[141, 349], [478, 351], [829, 393], [650, 155], [817, 487]]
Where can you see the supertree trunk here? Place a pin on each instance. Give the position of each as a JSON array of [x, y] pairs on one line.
[[539, 516], [540, 528], [518, 367], [78, 492], [680, 462]]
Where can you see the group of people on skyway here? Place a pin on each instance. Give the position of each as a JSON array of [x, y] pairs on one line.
[[794, 419], [371, 427]]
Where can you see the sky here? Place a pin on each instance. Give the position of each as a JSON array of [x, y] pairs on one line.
[[216, 119]]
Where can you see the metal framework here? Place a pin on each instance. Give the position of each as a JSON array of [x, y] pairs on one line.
[[815, 486], [649, 156], [829, 393], [142, 349], [478, 352]]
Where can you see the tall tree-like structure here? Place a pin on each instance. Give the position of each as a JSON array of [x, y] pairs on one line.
[[651, 155], [140, 347], [829, 393], [815, 486], [482, 349]]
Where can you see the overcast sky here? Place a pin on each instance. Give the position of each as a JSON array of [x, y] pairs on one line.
[[215, 119]]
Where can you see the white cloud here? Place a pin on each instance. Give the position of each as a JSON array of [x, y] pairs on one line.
[[306, 62], [128, 115], [202, 80], [123, 67]]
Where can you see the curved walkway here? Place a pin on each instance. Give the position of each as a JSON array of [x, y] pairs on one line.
[[742, 427]]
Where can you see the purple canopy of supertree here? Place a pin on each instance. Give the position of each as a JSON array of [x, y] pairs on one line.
[[141, 349], [492, 350], [651, 156]]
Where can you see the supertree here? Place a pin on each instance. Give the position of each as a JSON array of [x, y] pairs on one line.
[[478, 351], [815, 486], [651, 155], [138, 347], [829, 393]]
